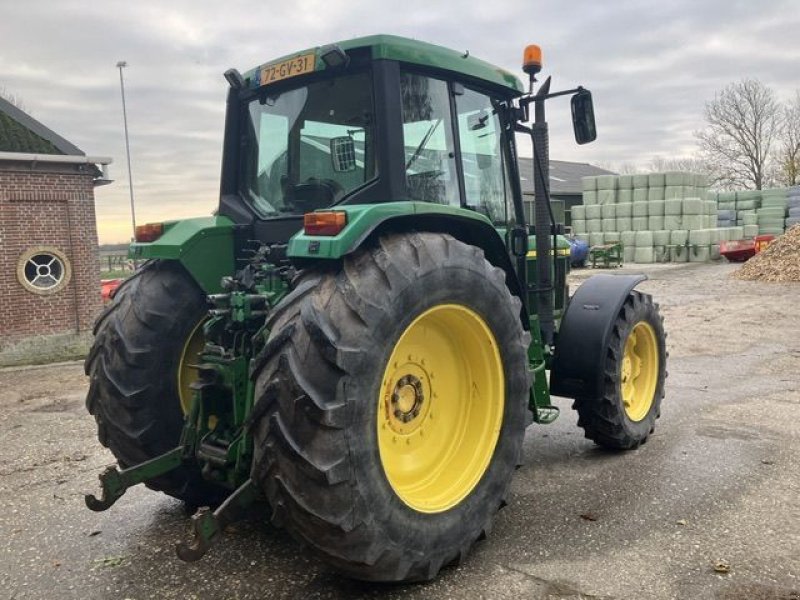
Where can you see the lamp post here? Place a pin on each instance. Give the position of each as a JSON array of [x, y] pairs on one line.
[[120, 65]]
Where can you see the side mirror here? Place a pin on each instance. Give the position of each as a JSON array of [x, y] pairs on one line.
[[583, 117], [343, 154], [519, 241]]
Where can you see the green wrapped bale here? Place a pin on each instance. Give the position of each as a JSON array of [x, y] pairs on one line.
[[606, 182], [640, 194], [589, 184], [661, 238], [660, 254], [656, 180], [694, 221], [673, 191], [673, 206], [679, 254], [639, 223], [609, 225], [673, 178], [589, 197], [579, 226], [672, 222], [679, 237], [711, 207], [641, 181], [583, 237], [628, 238], [655, 193], [641, 209], [625, 182], [643, 238], [700, 254], [655, 222], [625, 196], [610, 237], [737, 233], [593, 211], [715, 255], [700, 237], [625, 209], [578, 212], [693, 206], [606, 196], [608, 211], [628, 253], [594, 226], [624, 224], [644, 255], [596, 239], [656, 208]]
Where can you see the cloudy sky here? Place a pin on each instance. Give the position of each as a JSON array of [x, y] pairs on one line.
[[650, 65]]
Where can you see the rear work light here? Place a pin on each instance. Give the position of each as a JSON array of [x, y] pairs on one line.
[[324, 223], [149, 232]]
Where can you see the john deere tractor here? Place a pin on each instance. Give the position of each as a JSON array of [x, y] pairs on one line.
[[358, 338]]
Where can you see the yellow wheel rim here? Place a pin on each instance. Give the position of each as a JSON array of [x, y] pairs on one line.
[[639, 371], [440, 408], [187, 375]]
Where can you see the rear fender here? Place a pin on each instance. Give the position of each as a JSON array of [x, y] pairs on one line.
[[584, 335]]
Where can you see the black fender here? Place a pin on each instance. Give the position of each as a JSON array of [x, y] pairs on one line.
[[584, 334]]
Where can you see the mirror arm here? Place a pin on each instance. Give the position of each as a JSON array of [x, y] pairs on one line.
[[530, 98]]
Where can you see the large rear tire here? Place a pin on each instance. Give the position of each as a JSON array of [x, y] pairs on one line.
[[633, 379], [137, 368], [391, 401]]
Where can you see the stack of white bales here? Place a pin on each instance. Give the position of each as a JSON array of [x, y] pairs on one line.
[[772, 214], [793, 205], [738, 208], [657, 217]]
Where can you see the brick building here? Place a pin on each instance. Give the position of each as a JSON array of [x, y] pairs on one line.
[[49, 272]]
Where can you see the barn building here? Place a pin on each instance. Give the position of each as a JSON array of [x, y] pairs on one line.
[[49, 271]]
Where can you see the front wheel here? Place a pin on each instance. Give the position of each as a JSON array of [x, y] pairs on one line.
[[633, 378], [393, 393]]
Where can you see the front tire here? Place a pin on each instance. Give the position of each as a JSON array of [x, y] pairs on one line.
[[138, 377], [633, 379], [417, 336]]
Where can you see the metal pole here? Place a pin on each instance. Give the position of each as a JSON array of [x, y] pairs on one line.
[[120, 65]]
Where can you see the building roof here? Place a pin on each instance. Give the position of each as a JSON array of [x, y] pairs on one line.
[[21, 133], [565, 177]]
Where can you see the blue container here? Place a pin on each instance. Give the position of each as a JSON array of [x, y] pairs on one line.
[[578, 252]]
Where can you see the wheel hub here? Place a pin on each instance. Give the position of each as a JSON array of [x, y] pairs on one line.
[[407, 398], [409, 401]]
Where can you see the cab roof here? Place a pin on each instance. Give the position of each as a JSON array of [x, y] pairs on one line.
[[407, 50]]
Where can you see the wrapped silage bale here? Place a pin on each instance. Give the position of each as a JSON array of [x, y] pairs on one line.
[[578, 226], [624, 224], [715, 235], [625, 182], [673, 222], [689, 191], [583, 237], [628, 238], [790, 221], [643, 238], [693, 221], [577, 212], [594, 226], [700, 253], [606, 182], [660, 254], [606, 196], [715, 254], [611, 237], [596, 239], [737, 233], [589, 198], [625, 209], [655, 222], [700, 237], [700, 180], [640, 209], [641, 181], [657, 180], [726, 215], [673, 178], [679, 237], [693, 206], [625, 196], [655, 193], [640, 194], [628, 254], [673, 191], [589, 184], [749, 219], [673, 206], [679, 254], [661, 238], [710, 221], [609, 225], [594, 211], [655, 208], [711, 207], [608, 211], [644, 255], [639, 223], [750, 231]]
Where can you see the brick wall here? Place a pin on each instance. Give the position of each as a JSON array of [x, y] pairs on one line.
[[47, 205]]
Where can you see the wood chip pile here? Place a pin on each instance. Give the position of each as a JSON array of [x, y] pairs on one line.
[[779, 262]]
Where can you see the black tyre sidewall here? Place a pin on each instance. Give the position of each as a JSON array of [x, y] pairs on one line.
[[438, 530]]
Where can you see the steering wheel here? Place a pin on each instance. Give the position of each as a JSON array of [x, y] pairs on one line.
[[315, 193]]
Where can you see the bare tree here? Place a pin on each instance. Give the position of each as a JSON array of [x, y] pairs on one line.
[[689, 164], [789, 151], [743, 122], [12, 98]]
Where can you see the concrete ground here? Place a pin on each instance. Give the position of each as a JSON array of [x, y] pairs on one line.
[[718, 481]]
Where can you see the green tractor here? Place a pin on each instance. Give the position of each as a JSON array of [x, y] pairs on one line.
[[360, 335]]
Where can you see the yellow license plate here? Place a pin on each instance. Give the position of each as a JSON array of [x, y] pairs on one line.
[[292, 67]]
